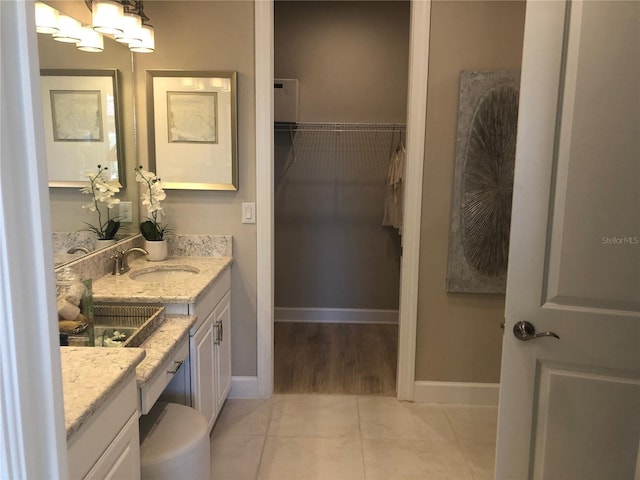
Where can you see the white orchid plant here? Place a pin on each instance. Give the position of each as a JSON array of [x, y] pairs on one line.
[[103, 194], [152, 195]]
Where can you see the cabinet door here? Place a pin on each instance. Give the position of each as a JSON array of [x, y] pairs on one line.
[[223, 350], [203, 369], [122, 457]]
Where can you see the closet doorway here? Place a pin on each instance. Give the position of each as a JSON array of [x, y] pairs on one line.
[[337, 268]]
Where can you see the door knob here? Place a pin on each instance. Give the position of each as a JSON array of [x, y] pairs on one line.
[[526, 331]]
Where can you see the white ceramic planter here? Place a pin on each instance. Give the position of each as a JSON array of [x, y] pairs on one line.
[[157, 250], [99, 243]]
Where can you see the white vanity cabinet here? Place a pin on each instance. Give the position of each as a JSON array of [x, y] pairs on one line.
[[204, 380], [107, 446]]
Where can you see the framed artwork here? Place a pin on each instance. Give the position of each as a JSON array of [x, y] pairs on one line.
[[192, 123], [81, 124], [76, 115], [483, 182]]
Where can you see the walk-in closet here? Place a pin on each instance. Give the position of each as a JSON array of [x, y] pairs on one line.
[[340, 92]]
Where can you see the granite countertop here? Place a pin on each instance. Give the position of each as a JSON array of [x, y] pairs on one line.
[[163, 343], [89, 376], [122, 288]]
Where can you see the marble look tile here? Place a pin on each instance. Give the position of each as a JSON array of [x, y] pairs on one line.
[[235, 457], [386, 417], [475, 428], [481, 461], [473, 424], [409, 459], [243, 417], [304, 458], [314, 416]]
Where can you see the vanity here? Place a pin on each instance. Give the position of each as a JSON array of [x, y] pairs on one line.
[[186, 360], [193, 286]]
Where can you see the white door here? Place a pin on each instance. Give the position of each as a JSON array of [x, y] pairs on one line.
[[570, 407]]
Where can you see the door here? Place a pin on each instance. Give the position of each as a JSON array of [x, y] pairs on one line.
[[570, 407], [223, 350], [203, 367]]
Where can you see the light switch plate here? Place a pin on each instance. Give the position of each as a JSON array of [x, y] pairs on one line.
[[125, 212], [249, 213]]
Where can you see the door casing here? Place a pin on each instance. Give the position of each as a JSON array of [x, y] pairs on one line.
[[416, 127]]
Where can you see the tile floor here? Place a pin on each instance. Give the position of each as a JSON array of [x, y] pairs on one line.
[[335, 437]]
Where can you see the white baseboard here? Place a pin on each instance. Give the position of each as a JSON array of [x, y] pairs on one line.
[[335, 315], [244, 387], [457, 393]]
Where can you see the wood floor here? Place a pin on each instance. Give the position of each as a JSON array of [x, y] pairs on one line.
[[345, 358]]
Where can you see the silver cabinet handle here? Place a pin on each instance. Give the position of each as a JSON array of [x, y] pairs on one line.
[[176, 366], [218, 339], [526, 331]]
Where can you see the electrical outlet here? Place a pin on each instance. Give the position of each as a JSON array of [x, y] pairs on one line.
[[125, 212]]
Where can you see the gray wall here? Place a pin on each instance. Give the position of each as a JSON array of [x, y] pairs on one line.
[[459, 335], [351, 59], [213, 35]]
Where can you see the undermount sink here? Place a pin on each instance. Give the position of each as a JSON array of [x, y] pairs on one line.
[[165, 273]]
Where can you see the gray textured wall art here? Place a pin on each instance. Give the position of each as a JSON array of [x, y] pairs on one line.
[[483, 181]]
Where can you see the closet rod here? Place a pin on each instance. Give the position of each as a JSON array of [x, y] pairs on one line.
[[342, 127]]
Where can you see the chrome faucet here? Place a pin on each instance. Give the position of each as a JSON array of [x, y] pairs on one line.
[[121, 260], [77, 249]]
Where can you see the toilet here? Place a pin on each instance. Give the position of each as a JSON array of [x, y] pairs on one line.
[[174, 444]]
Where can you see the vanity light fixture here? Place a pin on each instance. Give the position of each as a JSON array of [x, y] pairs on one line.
[[125, 20]]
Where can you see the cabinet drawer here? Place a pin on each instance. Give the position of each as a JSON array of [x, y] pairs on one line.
[[150, 392], [122, 458], [88, 444], [205, 305]]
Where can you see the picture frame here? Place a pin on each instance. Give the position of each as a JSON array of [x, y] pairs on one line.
[[82, 125], [192, 125], [484, 163]]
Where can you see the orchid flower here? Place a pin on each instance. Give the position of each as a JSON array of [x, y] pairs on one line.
[[151, 197], [102, 193]]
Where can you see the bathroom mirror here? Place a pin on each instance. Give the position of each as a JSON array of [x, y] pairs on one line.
[[81, 110], [68, 217]]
